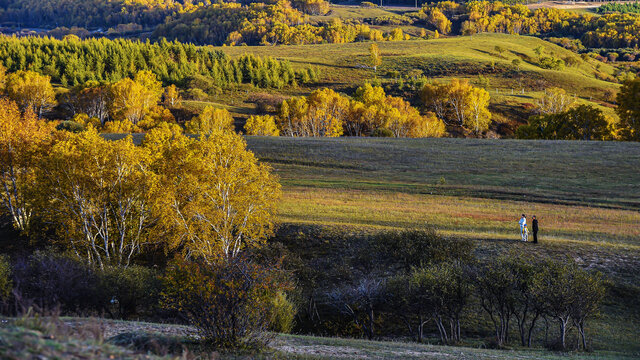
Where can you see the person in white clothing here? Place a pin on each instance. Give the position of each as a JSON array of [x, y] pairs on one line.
[[523, 227]]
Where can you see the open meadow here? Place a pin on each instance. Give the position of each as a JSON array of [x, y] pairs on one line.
[[586, 195]]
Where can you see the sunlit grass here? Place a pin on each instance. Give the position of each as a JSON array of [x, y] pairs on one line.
[[484, 218]]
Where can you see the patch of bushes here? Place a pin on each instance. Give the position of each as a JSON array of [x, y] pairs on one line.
[[6, 283], [49, 280], [229, 302], [549, 62]]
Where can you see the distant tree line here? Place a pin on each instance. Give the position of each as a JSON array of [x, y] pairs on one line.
[[633, 7], [264, 24], [92, 14], [607, 31], [72, 62], [139, 14]]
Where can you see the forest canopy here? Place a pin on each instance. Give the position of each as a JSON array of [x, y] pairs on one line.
[[74, 62]]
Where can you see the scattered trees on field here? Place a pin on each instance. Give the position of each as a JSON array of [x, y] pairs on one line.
[[132, 99], [210, 121], [327, 113], [374, 56], [319, 114], [567, 293], [100, 195], [220, 200], [171, 96], [554, 101]]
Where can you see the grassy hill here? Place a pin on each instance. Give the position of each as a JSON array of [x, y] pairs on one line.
[[512, 88]]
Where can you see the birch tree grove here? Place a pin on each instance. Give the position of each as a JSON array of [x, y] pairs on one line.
[[99, 194], [23, 140], [217, 199]]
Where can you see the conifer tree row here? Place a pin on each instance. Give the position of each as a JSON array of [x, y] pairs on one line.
[[73, 62]]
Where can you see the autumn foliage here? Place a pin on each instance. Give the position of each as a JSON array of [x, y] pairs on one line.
[[328, 113]]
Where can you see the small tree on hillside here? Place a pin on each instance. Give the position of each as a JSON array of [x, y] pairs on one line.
[[374, 56]]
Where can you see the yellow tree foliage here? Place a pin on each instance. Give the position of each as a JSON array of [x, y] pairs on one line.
[[93, 100], [396, 35], [3, 77], [439, 20], [458, 102], [629, 110], [554, 101], [292, 115], [132, 99], [436, 97], [261, 125], [319, 114], [171, 96], [23, 141], [479, 116], [375, 110], [99, 194], [405, 121], [120, 127], [326, 111], [428, 126], [31, 91], [217, 198], [210, 120], [374, 56], [458, 95]]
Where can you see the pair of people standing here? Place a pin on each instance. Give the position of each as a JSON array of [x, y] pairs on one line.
[[534, 227]]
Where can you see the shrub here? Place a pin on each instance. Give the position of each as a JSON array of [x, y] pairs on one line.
[[368, 4], [282, 314], [549, 62], [382, 132], [132, 291], [6, 284], [197, 94], [411, 248], [228, 302], [70, 126], [49, 280]]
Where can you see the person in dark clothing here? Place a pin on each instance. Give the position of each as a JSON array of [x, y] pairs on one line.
[[534, 228]]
